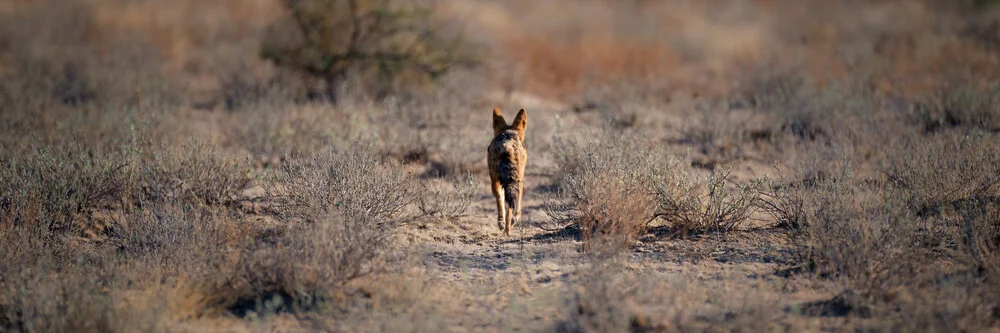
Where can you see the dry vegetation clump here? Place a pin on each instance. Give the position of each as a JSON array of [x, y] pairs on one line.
[[617, 186], [388, 46], [52, 188], [726, 206], [300, 270], [905, 247], [448, 199], [52, 281], [355, 182], [35, 298], [342, 207], [961, 105], [611, 187], [193, 173], [944, 170]]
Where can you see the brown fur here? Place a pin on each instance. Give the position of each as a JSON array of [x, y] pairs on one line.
[[507, 159]]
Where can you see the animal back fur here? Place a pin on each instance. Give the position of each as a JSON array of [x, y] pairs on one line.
[[507, 150]]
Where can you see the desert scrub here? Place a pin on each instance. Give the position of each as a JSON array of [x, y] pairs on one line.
[[55, 185], [614, 188], [385, 45], [341, 207], [889, 241], [963, 106], [448, 198], [939, 170], [354, 182], [724, 205], [52, 284], [33, 300], [301, 269], [609, 187], [194, 173]]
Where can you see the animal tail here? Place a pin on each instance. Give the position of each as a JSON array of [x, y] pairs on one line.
[[509, 181]]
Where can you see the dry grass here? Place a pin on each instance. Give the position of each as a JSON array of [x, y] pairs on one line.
[[612, 297]]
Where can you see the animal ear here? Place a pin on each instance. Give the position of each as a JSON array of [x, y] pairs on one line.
[[499, 124], [520, 121]]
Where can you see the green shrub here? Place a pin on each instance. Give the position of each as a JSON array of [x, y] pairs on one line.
[[386, 43]]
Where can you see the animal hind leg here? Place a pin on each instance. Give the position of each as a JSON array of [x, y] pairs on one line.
[[510, 220], [498, 194]]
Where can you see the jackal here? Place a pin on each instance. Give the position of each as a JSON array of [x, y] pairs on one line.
[[507, 158]]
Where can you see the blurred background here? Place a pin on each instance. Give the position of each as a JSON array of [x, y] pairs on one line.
[[205, 54]]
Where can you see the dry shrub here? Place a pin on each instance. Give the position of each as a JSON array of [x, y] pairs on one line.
[[616, 187], [54, 281], [68, 301], [954, 289], [180, 256], [339, 211], [862, 235], [388, 45], [302, 269], [56, 185], [961, 105], [916, 247], [131, 282], [448, 200], [174, 234], [51, 284], [944, 169], [342, 207], [611, 187], [353, 182], [722, 209], [980, 235], [193, 173], [785, 203], [614, 216]]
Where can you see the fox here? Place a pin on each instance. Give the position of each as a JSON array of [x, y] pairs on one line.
[[507, 158]]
